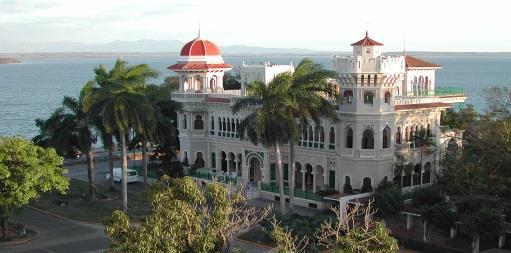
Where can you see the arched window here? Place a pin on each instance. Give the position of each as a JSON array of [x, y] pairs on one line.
[[362, 80], [428, 130], [233, 126], [417, 174], [332, 136], [185, 124], [368, 97], [220, 124], [407, 134], [349, 137], [348, 96], [374, 79], [228, 125], [398, 135], [212, 83], [305, 134], [198, 123], [387, 97], [198, 83], [386, 137], [322, 135], [311, 134], [316, 133], [224, 126], [368, 139], [212, 123]]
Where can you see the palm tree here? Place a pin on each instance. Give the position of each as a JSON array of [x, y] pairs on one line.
[[69, 130], [422, 139], [311, 95], [121, 106], [270, 123], [164, 130]]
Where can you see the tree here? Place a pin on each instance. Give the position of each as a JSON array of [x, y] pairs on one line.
[[388, 200], [270, 123], [310, 96], [164, 130], [485, 223], [185, 218], [172, 83], [286, 241], [26, 170], [354, 231], [67, 130], [121, 106], [441, 215]]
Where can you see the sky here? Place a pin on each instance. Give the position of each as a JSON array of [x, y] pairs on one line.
[[328, 25]]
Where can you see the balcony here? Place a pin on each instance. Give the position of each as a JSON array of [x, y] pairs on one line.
[[202, 96], [402, 149]]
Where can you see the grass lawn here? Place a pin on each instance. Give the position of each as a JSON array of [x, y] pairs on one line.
[[80, 208]]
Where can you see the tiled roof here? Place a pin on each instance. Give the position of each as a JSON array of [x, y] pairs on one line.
[[421, 106], [366, 41], [199, 47], [199, 66], [412, 62]]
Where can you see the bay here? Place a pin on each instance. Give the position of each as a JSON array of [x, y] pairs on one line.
[[35, 88]]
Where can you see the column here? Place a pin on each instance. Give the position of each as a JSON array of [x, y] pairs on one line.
[[236, 165], [313, 181], [204, 83], [303, 179]]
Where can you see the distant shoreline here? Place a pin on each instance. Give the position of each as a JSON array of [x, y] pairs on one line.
[[9, 61], [67, 55]]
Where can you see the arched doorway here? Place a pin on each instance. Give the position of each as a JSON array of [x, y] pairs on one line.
[[298, 175], [255, 170], [417, 174], [426, 177], [199, 160], [223, 161]]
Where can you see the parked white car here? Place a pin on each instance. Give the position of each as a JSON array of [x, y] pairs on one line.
[[132, 175]]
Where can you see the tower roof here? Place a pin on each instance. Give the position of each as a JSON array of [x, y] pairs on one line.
[[366, 41], [200, 47]]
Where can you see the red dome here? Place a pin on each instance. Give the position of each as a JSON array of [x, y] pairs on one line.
[[200, 47]]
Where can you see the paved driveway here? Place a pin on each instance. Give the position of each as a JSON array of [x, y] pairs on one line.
[[58, 235]]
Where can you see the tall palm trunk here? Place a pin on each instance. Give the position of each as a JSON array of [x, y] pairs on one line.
[[124, 169], [144, 161], [292, 174], [111, 164], [90, 173], [280, 179]]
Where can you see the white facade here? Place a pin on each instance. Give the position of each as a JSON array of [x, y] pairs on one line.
[[264, 72], [374, 131]]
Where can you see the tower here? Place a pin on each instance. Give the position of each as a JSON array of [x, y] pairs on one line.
[[368, 81], [200, 67]]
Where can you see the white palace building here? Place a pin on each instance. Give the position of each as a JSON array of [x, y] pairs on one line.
[[385, 100]]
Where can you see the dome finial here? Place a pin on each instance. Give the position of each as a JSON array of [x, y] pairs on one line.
[[198, 35]]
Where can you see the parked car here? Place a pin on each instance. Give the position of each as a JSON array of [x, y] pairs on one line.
[[132, 175]]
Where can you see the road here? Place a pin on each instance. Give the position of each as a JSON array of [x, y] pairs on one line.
[[79, 171], [58, 235]]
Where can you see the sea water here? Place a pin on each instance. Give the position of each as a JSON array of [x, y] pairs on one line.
[[35, 88]]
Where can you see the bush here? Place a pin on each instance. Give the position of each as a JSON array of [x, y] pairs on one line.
[[388, 200], [427, 196], [441, 215], [486, 222]]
